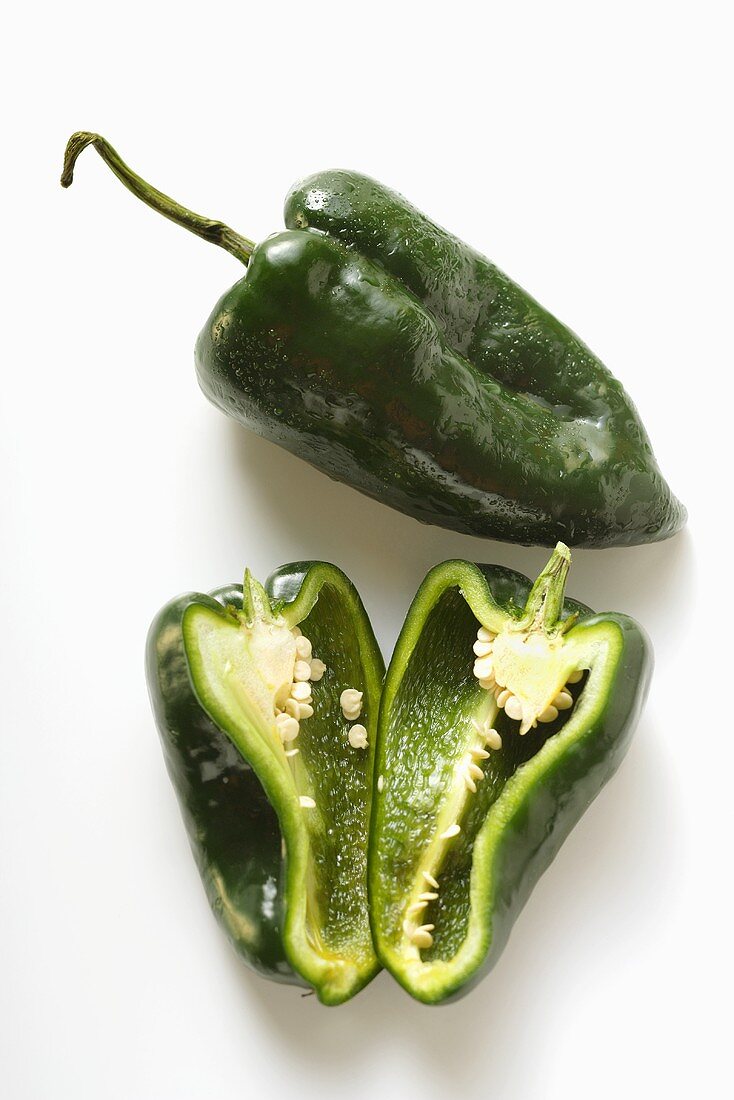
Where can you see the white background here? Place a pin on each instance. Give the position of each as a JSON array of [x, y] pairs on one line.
[[584, 148]]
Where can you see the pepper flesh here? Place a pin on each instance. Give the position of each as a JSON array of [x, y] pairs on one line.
[[286, 879], [487, 847], [393, 357]]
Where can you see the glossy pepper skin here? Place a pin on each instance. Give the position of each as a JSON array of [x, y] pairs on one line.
[[395, 358], [527, 436], [253, 845], [534, 789]]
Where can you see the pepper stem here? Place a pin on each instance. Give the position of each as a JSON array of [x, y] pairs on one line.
[[255, 602], [545, 602], [213, 231]]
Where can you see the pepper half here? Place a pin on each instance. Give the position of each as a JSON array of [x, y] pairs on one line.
[[273, 781], [505, 710], [393, 357]]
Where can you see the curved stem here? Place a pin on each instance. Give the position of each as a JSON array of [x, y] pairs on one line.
[[213, 231]]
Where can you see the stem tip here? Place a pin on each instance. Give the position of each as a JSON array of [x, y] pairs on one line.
[[215, 232], [74, 146]]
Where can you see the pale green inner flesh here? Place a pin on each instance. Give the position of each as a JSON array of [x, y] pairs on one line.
[[429, 734], [238, 673]]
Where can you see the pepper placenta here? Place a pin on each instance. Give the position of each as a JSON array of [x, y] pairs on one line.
[[274, 781], [505, 709], [395, 358]]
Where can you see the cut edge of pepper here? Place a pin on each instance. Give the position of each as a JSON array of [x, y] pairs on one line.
[[438, 980], [334, 978], [338, 979]]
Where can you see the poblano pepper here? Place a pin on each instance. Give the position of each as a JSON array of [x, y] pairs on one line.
[[504, 711], [395, 358], [273, 780]]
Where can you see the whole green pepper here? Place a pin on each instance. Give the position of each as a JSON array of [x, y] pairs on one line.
[[504, 711], [274, 794], [387, 353]]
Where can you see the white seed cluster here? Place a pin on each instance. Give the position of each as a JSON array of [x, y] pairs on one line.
[[350, 701], [468, 767], [298, 706], [490, 737], [471, 772], [420, 934], [484, 672], [483, 668]]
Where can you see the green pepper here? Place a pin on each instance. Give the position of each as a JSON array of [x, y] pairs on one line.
[[393, 357], [504, 711], [273, 781]]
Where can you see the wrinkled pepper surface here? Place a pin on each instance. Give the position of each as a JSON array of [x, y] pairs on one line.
[[274, 794], [395, 358], [504, 711]]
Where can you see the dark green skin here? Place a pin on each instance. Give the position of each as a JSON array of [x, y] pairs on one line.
[[232, 828], [239, 819], [395, 358], [534, 832]]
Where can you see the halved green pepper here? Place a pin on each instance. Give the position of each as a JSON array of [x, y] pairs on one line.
[[505, 709], [274, 795], [392, 356]]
